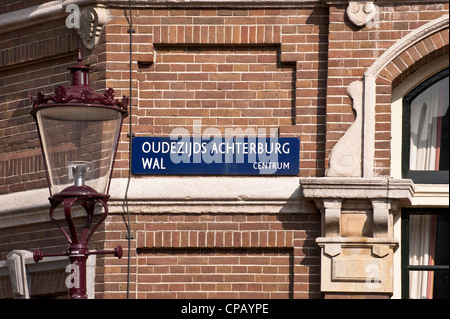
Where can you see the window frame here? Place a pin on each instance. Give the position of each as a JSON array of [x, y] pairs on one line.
[[405, 266], [418, 176]]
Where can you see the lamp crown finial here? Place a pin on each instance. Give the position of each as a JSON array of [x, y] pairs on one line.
[[79, 57]]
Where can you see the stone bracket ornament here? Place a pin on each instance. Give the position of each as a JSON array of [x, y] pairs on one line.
[[88, 22], [92, 21], [20, 280], [361, 13]]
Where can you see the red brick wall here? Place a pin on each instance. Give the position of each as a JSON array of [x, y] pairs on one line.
[[13, 5], [31, 60], [21, 164], [204, 255]]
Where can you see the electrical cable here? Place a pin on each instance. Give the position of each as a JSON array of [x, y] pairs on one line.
[[130, 136]]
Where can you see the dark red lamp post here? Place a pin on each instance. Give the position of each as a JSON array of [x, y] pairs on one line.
[[79, 131]]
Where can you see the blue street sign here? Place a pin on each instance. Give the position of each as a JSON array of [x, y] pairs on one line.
[[215, 155]]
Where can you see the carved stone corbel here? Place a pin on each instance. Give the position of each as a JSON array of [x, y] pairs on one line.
[[332, 217], [381, 218], [91, 25], [88, 22], [361, 13]]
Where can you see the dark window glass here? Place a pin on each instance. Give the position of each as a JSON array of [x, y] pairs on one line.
[[425, 131]]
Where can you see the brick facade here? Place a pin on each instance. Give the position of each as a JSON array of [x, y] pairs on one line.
[[276, 68], [217, 256]]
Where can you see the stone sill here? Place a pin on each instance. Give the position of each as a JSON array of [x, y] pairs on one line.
[[358, 188]]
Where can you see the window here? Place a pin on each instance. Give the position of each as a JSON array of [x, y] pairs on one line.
[[426, 128], [425, 253], [424, 159]]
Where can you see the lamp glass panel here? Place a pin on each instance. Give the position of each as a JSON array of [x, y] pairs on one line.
[[79, 143]]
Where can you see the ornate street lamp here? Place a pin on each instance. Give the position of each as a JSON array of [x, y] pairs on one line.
[[79, 131]]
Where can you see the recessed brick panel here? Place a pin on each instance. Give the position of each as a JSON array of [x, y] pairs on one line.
[[221, 86], [215, 273]]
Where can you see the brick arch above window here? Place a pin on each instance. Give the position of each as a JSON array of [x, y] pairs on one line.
[[402, 66], [409, 53], [414, 57]]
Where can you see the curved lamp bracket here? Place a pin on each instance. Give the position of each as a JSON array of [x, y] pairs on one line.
[[78, 251]]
